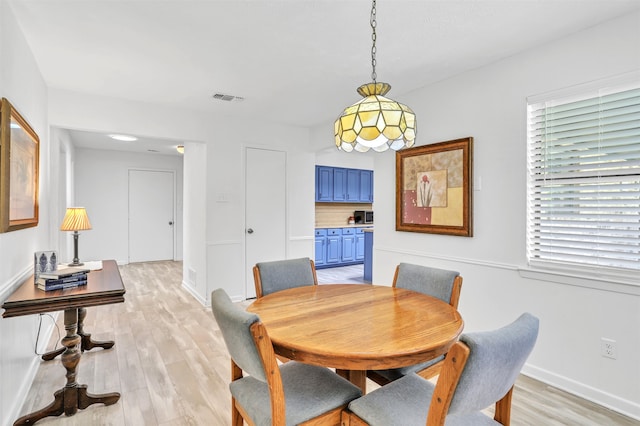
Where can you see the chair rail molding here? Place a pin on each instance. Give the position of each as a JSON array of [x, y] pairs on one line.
[[614, 283]]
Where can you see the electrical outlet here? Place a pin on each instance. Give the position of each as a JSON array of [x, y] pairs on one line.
[[608, 348]]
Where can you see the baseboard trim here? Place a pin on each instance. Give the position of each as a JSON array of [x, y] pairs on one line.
[[192, 292], [13, 411], [605, 399]]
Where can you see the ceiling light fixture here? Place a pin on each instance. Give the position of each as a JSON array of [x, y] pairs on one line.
[[180, 149], [124, 138], [375, 122]]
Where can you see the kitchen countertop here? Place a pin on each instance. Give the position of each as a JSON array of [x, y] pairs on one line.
[[358, 225]]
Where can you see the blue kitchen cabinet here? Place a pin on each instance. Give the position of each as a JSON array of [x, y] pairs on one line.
[[334, 246], [324, 183], [321, 251], [339, 184], [348, 245], [353, 186], [359, 244], [365, 186], [339, 247], [342, 185]]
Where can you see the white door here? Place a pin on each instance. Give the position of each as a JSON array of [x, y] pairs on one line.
[[265, 230], [151, 215]]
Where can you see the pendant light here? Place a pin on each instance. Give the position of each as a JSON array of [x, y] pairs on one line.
[[375, 122]]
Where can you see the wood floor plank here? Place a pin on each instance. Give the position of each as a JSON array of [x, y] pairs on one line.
[[137, 408], [193, 393], [129, 364], [172, 368]]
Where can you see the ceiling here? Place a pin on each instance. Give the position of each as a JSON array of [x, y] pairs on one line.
[[295, 62]]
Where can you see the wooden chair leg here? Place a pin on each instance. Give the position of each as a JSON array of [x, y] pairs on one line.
[[236, 418], [503, 409]]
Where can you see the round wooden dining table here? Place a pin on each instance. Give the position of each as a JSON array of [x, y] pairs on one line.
[[358, 327]]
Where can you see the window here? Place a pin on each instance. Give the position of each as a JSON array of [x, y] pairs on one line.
[[584, 180]]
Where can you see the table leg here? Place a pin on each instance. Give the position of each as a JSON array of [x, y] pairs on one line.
[[86, 343], [357, 377], [73, 396]]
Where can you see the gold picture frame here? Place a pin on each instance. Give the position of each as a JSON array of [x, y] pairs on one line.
[[19, 168], [433, 188]]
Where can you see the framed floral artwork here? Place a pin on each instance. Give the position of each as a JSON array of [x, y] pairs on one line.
[[19, 162], [433, 188]]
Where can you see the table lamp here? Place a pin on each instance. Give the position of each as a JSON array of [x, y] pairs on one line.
[[75, 220]]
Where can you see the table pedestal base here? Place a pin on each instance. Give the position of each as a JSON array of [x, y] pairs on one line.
[[86, 344], [67, 400], [357, 377], [73, 396]]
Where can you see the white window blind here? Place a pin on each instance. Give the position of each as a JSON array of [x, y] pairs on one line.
[[584, 181]]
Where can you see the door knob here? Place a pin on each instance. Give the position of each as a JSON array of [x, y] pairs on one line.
[[170, 222], [249, 231]]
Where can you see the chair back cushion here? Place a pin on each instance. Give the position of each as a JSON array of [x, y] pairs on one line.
[[423, 279], [235, 324], [495, 360], [284, 274]]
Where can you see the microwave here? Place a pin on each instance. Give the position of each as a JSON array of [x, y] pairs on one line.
[[363, 216]]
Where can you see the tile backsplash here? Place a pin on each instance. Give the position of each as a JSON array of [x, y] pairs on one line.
[[337, 214]]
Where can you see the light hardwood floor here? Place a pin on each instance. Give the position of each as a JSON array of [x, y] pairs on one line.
[[172, 368]]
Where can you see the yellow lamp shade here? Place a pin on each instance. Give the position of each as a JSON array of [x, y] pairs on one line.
[[375, 122], [75, 219]]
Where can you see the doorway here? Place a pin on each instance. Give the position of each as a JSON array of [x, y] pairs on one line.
[[151, 215], [265, 215]]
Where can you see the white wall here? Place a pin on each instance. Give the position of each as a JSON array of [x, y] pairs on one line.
[[102, 186], [329, 155], [220, 261], [22, 84], [195, 219], [489, 104]]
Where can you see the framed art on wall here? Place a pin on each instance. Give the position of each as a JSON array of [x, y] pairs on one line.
[[19, 163], [433, 188]]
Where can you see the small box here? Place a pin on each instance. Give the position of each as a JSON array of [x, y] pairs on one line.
[[44, 261]]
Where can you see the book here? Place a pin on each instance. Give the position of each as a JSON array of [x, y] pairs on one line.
[[44, 262], [54, 281], [64, 273], [62, 286]]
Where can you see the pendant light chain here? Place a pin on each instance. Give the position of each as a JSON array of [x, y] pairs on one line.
[[373, 23], [375, 122]]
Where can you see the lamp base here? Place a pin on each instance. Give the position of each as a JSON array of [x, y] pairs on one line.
[[76, 260]]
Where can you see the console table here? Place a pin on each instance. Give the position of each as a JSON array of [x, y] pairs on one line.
[[103, 287]]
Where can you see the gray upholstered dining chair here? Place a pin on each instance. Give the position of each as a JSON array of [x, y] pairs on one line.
[[479, 370], [270, 277], [440, 283], [272, 395]]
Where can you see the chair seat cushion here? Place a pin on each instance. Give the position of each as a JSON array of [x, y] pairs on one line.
[[405, 402], [309, 392], [395, 373]]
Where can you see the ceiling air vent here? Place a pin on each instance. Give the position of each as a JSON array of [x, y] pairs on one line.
[[228, 98]]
